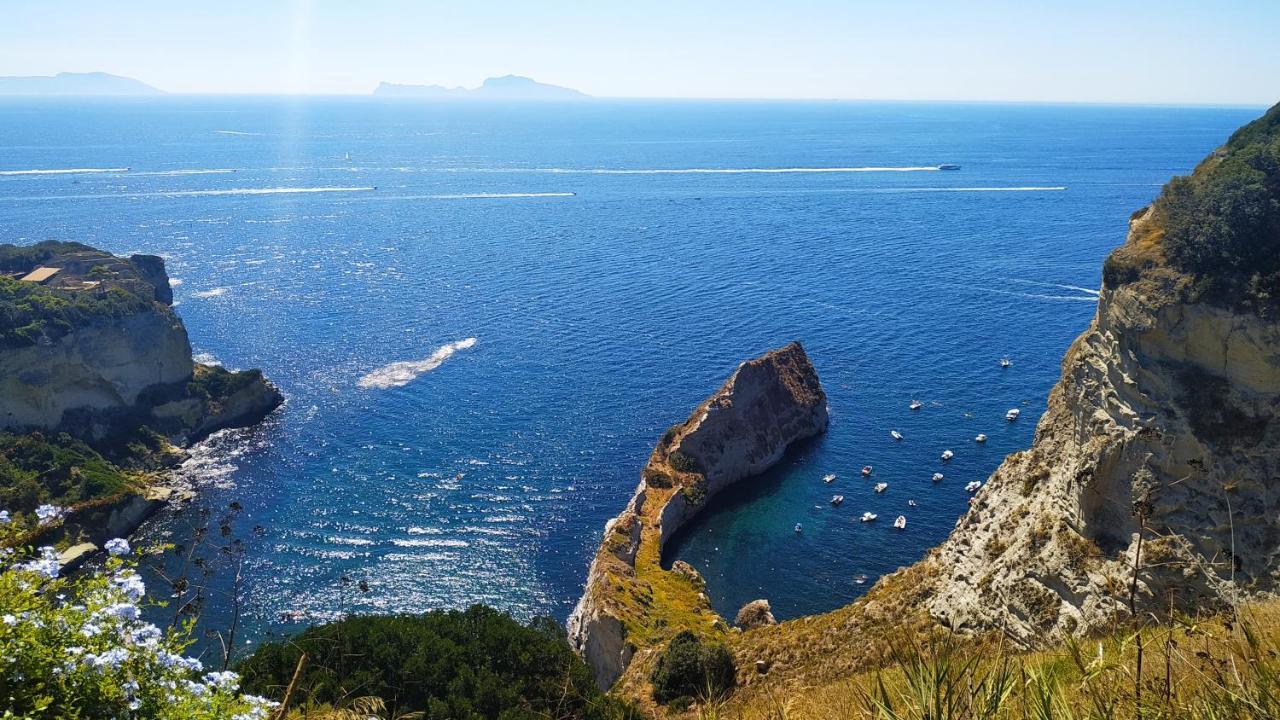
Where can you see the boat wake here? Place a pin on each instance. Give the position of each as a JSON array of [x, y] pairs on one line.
[[215, 292], [174, 173], [497, 196], [64, 171], [700, 171], [399, 374], [1077, 288]]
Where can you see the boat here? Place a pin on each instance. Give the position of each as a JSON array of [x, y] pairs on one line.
[[973, 486], [799, 529], [948, 166], [860, 579], [937, 477], [900, 522], [911, 503], [869, 516], [836, 500], [895, 434], [916, 405], [866, 471], [881, 487], [347, 157], [829, 478], [1005, 362], [982, 437], [947, 455], [1012, 414]]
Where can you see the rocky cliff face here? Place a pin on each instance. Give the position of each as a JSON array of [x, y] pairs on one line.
[[1159, 432], [631, 604], [121, 360]]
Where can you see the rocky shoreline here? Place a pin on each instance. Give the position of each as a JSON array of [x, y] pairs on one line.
[[738, 432]]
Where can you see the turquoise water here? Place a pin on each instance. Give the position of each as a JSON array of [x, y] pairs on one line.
[[613, 262]]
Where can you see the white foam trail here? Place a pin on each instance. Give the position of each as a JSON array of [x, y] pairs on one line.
[[235, 132], [431, 543], [701, 171], [1077, 288], [252, 191], [1029, 188], [215, 292], [169, 173], [399, 374], [175, 282], [484, 196], [64, 171]]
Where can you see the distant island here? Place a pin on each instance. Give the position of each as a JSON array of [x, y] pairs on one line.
[[508, 87], [68, 83]]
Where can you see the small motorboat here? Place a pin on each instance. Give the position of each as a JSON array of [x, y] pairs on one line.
[[982, 437], [937, 477], [947, 455], [799, 528], [868, 516], [860, 579], [1005, 362], [836, 500], [900, 522], [916, 405], [881, 487], [1012, 414], [948, 166], [866, 471], [895, 434], [911, 503], [973, 486], [828, 479]]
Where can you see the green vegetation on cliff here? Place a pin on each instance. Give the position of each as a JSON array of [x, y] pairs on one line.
[[1221, 224], [29, 311], [456, 665]]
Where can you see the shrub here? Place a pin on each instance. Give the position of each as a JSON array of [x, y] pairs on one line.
[[36, 469], [460, 665], [73, 649], [682, 462], [688, 668]]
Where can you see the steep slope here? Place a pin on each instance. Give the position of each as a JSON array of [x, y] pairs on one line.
[[631, 604]]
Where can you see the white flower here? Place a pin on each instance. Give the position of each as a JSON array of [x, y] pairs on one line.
[[4, 517], [46, 566], [225, 680], [130, 584], [112, 658], [146, 635], [49, 513], [9, 620], [197, 689], [90, 630], [117, 546]]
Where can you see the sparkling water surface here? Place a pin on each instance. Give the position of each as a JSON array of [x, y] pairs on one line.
[[613, 262]]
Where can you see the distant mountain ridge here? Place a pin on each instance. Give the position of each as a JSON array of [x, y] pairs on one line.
[[68, 83], [507, 87]]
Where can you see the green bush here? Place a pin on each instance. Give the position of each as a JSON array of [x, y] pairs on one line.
[[1222, 223], [29, 311], [683, 462], [689, 669], [58, 470], [456, 665]]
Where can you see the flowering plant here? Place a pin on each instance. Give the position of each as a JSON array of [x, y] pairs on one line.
[[77, 647]]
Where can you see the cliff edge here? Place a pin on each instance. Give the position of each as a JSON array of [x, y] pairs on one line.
[[632, 605]]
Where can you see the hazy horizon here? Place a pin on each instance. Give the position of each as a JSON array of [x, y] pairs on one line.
[[1177, 52]]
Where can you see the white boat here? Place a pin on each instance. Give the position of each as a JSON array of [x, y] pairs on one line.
[[895, 434], [881, 487], [911, 503], [981, 438], [860, 579], [866, 470], [916, 405], [1012, 414], [937, 477], [869, 516], [347, 157], [828, 479], [836, 500], [1005, 362], [900, 522], [799, 529], [947, 455], [973, 486]]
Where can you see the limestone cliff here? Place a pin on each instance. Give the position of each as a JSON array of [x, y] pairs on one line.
[[96, 350], [1161, 423], [631, 604]]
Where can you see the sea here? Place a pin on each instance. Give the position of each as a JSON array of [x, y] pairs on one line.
[[483, 316]]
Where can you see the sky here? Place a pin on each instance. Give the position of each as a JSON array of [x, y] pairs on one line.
[[1117, 51]]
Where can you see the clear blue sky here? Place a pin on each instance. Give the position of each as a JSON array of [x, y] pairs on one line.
[[1172, 51]]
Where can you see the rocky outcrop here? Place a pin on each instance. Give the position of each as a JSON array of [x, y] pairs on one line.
[[754, 614], [630, 603], [1158, 436], [121, 361]]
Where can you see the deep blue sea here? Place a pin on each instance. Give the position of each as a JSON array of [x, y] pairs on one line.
[[613, 262]]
